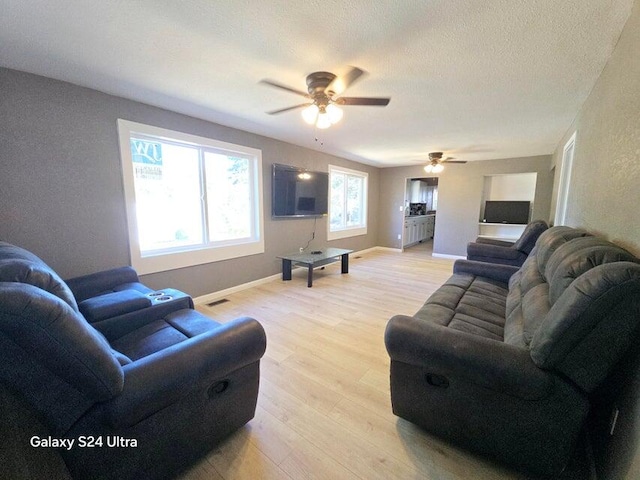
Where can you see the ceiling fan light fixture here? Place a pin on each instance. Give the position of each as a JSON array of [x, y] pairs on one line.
[[434, 167], [335, 113], [310, 114], [323, 120]]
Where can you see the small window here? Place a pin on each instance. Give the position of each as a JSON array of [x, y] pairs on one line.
[[190, 200], [348, 191]]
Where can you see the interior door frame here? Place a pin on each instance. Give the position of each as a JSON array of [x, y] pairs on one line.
[[564, 184]]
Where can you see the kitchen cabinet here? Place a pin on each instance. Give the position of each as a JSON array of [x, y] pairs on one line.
[[418, 229]]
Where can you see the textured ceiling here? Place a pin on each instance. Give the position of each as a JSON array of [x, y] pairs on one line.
[[479, 79]]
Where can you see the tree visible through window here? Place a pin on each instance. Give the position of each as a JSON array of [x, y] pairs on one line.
[[348, 207], [189, 194]]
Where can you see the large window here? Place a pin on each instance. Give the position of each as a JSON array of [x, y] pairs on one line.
[[348, 203], [190, 200]]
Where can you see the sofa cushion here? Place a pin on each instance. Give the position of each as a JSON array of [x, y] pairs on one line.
[[55, 336], [470, 304], [591, 325], [174, 328], [553, 238], [33, 271], [577, 257], [530, 236]]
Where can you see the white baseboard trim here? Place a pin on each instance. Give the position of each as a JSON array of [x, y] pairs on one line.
[[212, 297], [388, 249], [445, 255], [220, 294]]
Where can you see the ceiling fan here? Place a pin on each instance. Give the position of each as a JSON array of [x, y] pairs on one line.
[[324, 90], [436, 161]]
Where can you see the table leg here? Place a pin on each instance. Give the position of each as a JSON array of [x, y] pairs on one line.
[[310, 276], [286, 269], [345, 263]]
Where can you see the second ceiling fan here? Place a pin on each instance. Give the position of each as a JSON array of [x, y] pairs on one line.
[[436, 161], [323, 95]]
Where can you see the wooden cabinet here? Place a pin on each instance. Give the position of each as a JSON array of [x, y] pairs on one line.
[[418, 229]]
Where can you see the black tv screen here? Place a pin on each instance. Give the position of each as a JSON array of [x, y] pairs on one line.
[[502, 211], [298, 192]]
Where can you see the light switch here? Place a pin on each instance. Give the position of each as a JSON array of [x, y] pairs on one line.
[[401, 208]]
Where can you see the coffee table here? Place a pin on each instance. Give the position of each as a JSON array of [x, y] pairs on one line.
[[313, 260]]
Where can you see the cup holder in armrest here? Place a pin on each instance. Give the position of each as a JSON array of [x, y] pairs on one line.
[[163, 298], [155, 294]]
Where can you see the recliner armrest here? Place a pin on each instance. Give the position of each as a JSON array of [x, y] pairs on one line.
[[495, 271], [494, 241], [113, 304], [94, 284], [454, 354], [492, 251], [163, 378]]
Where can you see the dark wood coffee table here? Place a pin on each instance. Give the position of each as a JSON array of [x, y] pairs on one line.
[[313, 260]]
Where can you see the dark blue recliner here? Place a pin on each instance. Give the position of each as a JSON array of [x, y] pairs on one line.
[[166, 378], [506, 253]]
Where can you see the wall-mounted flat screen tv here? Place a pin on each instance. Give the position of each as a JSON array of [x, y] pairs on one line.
[[503, 211], [298, 192]]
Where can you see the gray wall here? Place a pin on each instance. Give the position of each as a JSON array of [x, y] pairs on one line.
[[604, 197], [61, 192], [605, 184], [460, 188]]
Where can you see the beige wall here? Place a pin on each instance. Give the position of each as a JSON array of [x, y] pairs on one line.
[[460, 191]]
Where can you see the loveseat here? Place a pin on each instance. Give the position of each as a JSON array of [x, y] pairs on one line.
[[141, 394], [508, 253], [503, 360]]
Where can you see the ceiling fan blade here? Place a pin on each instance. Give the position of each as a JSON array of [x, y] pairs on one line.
[[341, 83], [372, 101], [454, 161], [284, 87], [282, 110]]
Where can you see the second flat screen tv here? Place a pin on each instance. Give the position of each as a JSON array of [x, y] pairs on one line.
[[298, 192], [500, 211]]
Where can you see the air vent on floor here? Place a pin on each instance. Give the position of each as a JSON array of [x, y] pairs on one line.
[[217, 302], [356, 257]]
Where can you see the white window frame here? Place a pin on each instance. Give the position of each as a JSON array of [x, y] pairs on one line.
[[152, 262], [352, 231]]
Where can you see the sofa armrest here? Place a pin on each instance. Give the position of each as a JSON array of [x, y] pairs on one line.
[[165, 377], [459, 355], [113, 304], [492, 251], [494, 271], [494, 241], [94, 284]]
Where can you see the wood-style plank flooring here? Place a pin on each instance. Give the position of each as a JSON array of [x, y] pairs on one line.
[[324, 410]]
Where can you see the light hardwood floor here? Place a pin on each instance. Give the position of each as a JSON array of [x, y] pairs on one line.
[[324, 410]]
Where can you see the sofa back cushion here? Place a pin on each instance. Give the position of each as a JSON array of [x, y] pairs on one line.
[[588, 278], [524, 310], [592, 323], [20, 265], [49, 353], [530, 236], [574, 258]]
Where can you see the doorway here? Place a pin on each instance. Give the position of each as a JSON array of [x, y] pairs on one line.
[[421, 204]]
